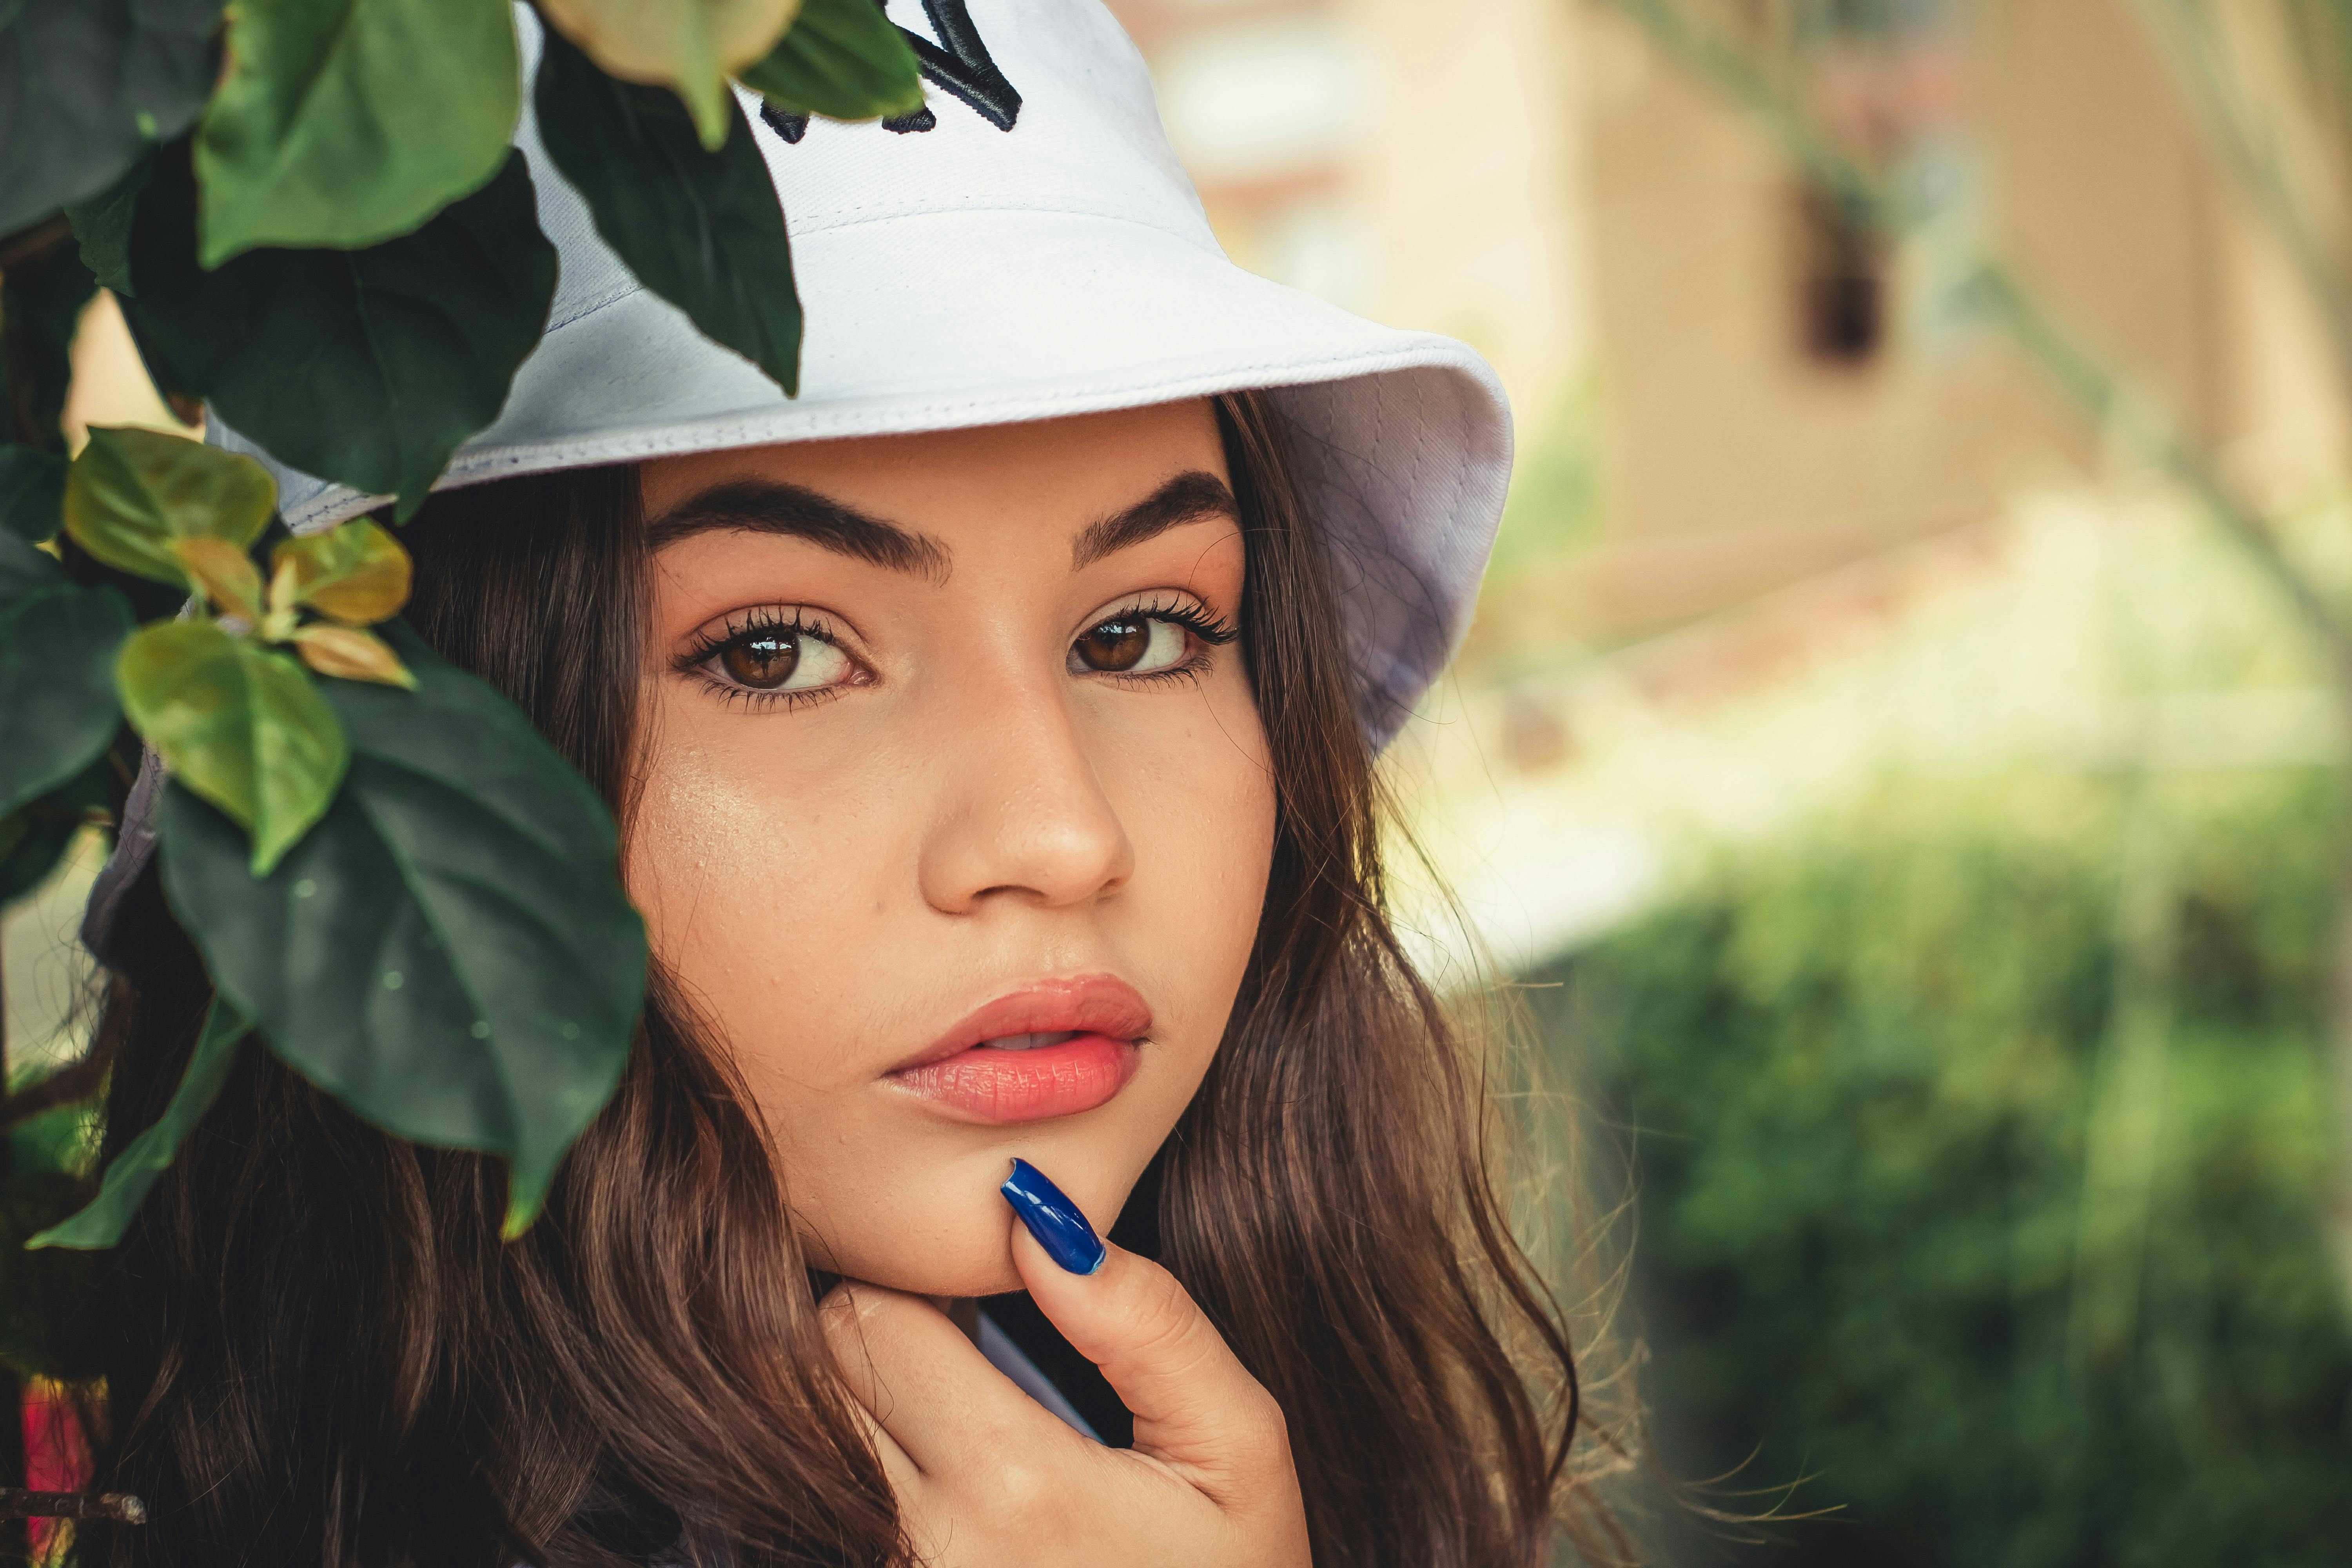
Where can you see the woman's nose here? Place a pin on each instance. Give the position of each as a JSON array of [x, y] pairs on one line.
[[1022, 811]]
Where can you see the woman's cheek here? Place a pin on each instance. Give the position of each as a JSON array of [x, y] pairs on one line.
[[740, 869]]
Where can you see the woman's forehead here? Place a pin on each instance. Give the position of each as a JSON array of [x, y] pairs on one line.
[[1069, 468]]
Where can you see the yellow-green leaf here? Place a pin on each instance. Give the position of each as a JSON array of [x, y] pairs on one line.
[[132, 493], [692, 46], [350, 654], [222, 574], [238, 723], [357, 573]]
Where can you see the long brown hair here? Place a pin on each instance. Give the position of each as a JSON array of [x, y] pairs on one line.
[[323, 1353]]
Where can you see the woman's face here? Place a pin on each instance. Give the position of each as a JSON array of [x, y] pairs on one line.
[[956, 813]]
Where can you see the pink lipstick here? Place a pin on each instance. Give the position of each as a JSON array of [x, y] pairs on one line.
[[1055, 1047]]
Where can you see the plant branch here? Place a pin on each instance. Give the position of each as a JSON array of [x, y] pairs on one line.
[[2105, 397], [2200, 60], [16, 1502], [1996, 295], [75, 1081], [1733, 74]]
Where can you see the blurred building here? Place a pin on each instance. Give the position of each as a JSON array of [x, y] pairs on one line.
[[1722, 385]]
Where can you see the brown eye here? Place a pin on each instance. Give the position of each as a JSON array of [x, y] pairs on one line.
[[1115, 644], [764, 662]]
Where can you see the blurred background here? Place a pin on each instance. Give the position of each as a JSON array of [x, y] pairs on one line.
[[1901, 747], [1898, 764]]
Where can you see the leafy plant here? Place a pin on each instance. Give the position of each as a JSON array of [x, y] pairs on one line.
[[1867, 1068], [314, 219]]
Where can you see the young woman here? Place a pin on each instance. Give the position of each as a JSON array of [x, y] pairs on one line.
[[992, 733]]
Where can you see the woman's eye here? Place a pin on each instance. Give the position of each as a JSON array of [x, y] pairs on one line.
[[1129, 645], [780, 660]]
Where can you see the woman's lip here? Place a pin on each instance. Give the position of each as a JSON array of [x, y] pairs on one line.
[[1099, 1005], [985, 1084]]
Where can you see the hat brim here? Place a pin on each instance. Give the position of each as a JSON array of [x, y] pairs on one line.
[[917, 321]]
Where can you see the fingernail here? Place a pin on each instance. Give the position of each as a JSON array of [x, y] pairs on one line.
[[1052, 1219]]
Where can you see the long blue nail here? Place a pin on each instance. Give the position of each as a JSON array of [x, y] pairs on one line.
[[1052, 1219]]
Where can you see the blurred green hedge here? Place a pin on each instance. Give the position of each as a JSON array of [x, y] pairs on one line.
[[1864, 1069]]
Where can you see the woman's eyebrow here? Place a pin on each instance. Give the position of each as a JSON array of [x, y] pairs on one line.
[[1187, 497], [771, 506]]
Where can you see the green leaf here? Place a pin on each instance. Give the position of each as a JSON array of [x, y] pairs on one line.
[[84, 85], [57, 643], [449, 953], [687, 46], [344, 122], [132, 1172], [102, 224], [133, 492], [239, 724], [842, 58], [32, 492], [367, 367], [702, 229], [41, 300]]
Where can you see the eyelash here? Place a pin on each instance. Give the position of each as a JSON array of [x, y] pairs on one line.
[[796, 621], [1193, 616], [793, 619]]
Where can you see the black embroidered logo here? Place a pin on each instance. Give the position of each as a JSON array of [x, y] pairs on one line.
[[958, 62]]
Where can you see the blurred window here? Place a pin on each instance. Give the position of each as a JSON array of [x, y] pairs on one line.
[[1841, 283]]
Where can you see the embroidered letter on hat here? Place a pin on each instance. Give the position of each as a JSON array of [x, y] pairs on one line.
[[963, 66]]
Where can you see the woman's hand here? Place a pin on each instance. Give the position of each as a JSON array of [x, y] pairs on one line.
[[987, 1479]]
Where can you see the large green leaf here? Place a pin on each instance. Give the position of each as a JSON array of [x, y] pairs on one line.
[[84, 84], [239, 724], [32, 492], [133, 492], [145, 1158], [41, 300], [343, 123], [449, 952], [57, 642], [368, 367], [689, 46], [842, 58], [702, 229]]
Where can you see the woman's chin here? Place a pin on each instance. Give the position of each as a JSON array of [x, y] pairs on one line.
[[943, 1229], [936, 1277]]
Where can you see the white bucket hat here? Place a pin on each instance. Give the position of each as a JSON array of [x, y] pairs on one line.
[[1017, 255]]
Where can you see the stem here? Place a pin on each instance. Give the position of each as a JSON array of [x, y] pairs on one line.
[[2106, 398], [2199, 58], [76, 1082], [16, 1503]]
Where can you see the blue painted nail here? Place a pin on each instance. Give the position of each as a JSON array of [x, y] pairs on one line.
[[1052, 1219]]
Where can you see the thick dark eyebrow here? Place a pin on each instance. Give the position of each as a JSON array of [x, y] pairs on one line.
[[1187, 497], [771, 506]]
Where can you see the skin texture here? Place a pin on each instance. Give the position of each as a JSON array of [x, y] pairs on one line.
[[838, 881]]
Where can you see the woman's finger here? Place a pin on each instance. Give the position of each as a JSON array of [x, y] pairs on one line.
[[1195, 1405], [928, 1386]]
